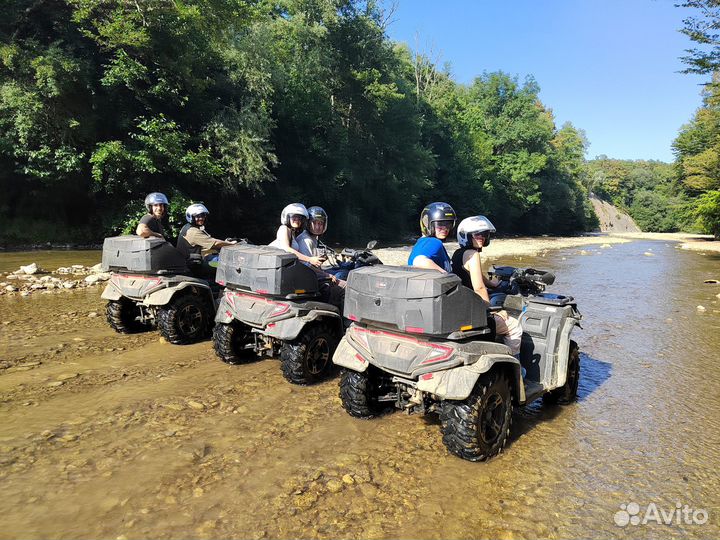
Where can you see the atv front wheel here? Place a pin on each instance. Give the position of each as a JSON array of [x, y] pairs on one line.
[[308, 359], [229, 341], [567, 393], [122, 317], [477, 428], [184, 320], [358, 394]]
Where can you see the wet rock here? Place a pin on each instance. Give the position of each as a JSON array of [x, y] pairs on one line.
[[67, 376], [69, 284], [68, 438], [195, 405], [11, 288], [701, 308], [37, 286], [25, 293], [605, 246], [92, 278], [649, 254], [93, 314], [55, 384], [96, 269], [334, 486], [348, 479], [31, 268], [306, 501], [198, 492]]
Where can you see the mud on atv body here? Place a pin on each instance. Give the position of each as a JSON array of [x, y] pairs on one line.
[[271, 305], [423, 343], [152, 286]]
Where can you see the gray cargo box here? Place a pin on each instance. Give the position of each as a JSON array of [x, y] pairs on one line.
[[413, 300], [142, 255], [265, 270]]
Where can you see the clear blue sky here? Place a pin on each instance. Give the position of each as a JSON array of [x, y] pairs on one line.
[[608, 66]]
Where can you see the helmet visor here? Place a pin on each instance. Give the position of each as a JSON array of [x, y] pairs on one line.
[[448, 224]]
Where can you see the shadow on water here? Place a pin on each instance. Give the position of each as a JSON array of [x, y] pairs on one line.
[[593, 374]]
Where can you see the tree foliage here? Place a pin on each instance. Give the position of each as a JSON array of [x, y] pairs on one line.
[[251, 104]]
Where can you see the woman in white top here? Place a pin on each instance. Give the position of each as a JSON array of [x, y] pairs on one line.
[[292, 224]]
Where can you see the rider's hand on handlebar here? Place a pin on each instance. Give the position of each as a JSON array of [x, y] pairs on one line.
[[316, 261]]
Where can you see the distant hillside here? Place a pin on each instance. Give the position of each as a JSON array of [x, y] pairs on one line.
[[611, 218]]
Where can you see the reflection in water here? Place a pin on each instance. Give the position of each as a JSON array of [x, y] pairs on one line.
[[255, 457]]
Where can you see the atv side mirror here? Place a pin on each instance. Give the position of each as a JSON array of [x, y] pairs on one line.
[[548, 278], [371, 244]]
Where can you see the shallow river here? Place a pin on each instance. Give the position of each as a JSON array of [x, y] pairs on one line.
[[111, 436]]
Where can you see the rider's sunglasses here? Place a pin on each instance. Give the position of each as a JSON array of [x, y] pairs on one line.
[[297, 216], [446, 224], [484, 234], [203, 215]]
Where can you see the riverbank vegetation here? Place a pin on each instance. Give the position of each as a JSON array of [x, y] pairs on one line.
[[249, 105]]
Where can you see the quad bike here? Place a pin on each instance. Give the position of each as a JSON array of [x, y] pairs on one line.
[[273, 304], [424, 343], [152, 285], [349, 259]]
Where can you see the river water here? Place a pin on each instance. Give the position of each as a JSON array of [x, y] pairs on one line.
[[113, 436]]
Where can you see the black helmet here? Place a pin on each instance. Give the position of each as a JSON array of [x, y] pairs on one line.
[[433, 212], [317, 213]]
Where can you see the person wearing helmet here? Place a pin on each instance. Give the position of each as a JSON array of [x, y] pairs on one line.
[[332, 289], [292, 224], [151, 224], [194, 239], [309, 239], [473, 235], [437, 221]]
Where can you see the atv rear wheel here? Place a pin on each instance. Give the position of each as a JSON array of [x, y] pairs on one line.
[[122, 317], [358, 394], [567, 393], [477, 428], [184, 320], [229, 341], [308, 359]]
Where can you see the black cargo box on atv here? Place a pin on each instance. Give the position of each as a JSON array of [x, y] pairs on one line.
[[413, 300], [265, 270], [142, 255]]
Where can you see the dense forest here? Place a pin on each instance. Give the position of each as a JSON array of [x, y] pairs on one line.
[[248, 105]]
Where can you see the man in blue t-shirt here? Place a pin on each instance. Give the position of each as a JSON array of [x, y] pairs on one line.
[[437, 221]]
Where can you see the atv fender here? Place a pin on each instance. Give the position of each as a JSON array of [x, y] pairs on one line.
[[458, 383], [111, 292], [224, 313], [560, 375], [163, 296], [346, 356], [290, 328]]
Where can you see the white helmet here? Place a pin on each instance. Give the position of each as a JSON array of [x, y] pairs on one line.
[[155, 198], [194, 210], [471, 225], [293, 209]]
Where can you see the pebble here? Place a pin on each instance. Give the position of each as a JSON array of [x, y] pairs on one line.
[[198, 492], [195, 405], [67, 376], [334, 486], [11, 288], [701, 308], [348, 479], [93, 314], [55, 384], [648, 254]]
